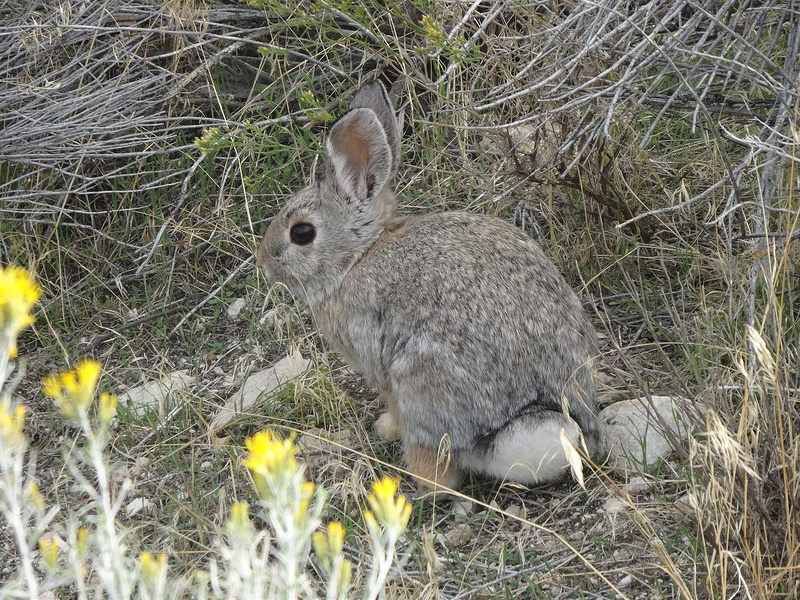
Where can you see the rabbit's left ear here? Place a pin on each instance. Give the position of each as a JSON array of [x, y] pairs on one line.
[[375, 97], [359, 154]]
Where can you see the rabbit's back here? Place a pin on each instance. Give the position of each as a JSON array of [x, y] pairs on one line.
[[466, 323]]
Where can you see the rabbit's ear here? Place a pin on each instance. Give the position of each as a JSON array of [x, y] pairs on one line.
[[375, 97], [359, 154]]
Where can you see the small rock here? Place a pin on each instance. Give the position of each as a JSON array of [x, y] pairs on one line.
[[637, 485], [140, 467], [462, 508], [633, 435], [458, 536], [614, 505], [325, 442], [315, 440], [236, 307], [687, 504], [140, 505], [605, 378], [625, 581], [160, 393], [518, 511]]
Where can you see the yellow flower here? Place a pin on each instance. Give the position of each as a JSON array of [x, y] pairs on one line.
[[49, 550], [335, 537], [331, 545], [151, 567], [272, 462], [239, 521], [74, 390], [36, 496], [18, 293], [11, 423], [385, 507], [329, 552], [345, 574], [82, 542], [108, 408], [269, 454], [306, 492], [385, 489]]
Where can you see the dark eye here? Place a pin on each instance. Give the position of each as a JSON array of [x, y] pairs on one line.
[[302, 233]]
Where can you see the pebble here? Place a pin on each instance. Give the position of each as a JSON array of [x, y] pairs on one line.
[[236, 307], [614, 505], [637, 485], [140, 505], [462, 508], [517, 510], [459, 535]]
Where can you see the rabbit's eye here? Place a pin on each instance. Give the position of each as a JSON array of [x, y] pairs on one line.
[[302, 233]]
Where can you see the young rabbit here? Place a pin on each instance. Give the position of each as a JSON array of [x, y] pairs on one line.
[[471, 335]]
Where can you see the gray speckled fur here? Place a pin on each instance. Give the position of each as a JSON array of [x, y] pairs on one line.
[[458, 318]]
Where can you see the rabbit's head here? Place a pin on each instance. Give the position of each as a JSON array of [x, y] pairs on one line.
[[327, 226]]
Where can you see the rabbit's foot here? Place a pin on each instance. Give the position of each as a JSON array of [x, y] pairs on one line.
[[434, 471], [388, 426]]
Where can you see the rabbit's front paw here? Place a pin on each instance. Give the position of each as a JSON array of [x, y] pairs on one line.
[[388, 427]]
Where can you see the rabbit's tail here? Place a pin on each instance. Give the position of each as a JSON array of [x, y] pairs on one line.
[[528, 449]]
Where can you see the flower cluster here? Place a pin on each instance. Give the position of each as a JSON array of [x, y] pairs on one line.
[[74, 391], [385, 507], [256, 563], [269, 455], [329, 547], [286, 496]]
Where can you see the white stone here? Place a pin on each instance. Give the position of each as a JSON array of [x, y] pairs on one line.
[[161, 393], [460, 535], [463, 507], [614, 505], [518, 511], [319, 440], [263, 384], [633, 435], [139, 505], [236, 307]]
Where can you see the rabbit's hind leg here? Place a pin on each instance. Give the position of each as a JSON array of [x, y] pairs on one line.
[[433, 470]]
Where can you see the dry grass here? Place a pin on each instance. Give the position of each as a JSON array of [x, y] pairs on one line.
[[652, 148]]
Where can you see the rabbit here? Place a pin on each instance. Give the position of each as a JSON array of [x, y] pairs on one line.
[[480, 349]]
